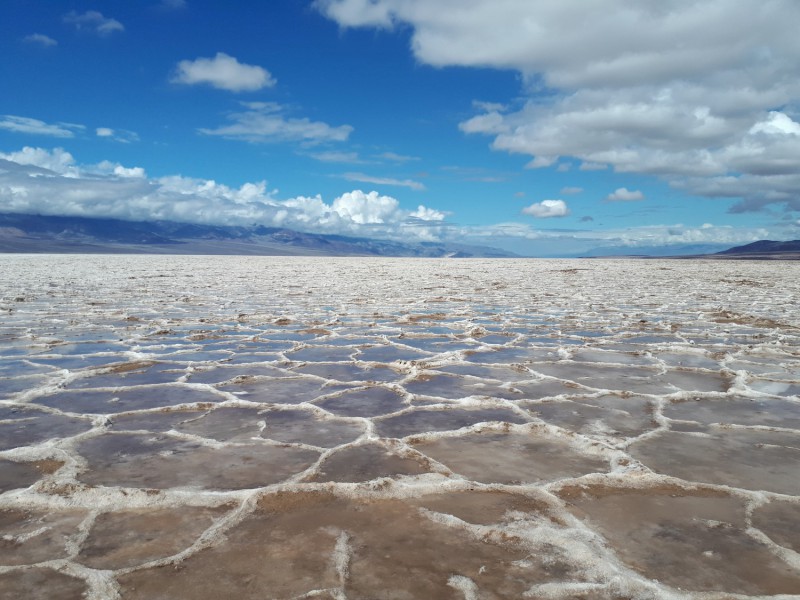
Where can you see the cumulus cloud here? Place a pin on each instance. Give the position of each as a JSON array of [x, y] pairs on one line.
[[364, 178], [50, 182], [41, 39], [547, 209], [93, 21], [266, 122], [424, 213], [625, 195], [362, 208], [698, 93], [57, 161], [36, 127], [223, 72]]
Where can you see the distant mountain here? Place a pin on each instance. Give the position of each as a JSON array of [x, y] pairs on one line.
[[763, 250], [765, 247], [55, 234], [652, 251]]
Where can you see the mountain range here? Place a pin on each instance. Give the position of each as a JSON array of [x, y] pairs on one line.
[[24, 233], [59, 234], [765, 249]]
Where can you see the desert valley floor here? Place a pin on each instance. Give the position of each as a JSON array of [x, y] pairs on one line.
[[356, 428]]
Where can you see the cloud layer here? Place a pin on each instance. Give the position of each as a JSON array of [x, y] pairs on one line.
[[267, 122], [29, 126], [94, 22], [41, 39], [49, 182], [703, 94]]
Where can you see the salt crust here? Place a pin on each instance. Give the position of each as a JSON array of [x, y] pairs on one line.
[[667, 331]]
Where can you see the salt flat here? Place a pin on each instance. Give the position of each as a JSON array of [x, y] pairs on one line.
[[272, 427]]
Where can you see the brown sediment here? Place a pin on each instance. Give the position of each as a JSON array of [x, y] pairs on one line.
[[439, 316], [130, 366], [780, 521], [367, 462], [511, 458], [728, 316], [40, 583], [447, 419], [748, 459], [390, 550], [162, 462], [21, 474], [485, 507], [370, 402], [35, 536], [575, 492], [316, 331], [686, 540], [47, 466], [132, 537]]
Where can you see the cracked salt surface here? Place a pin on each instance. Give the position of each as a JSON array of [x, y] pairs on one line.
[[208, 427]]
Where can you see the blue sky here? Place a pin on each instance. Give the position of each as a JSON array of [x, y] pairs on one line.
[[546, 128]]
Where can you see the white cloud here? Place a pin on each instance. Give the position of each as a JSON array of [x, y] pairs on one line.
[[576, 45], [41, 39], [527, 240], [490, 122], [571, 190], [394, 157], [49, 182], [118, 135], [547, 209], [110, 168], [36, 127], [592, 166], [332, 156], [428, 214], [223, 72], [625, 195], [541, 162], [364, 208], [364, 178], [265, 122], [93, 20], [59, 161], [698, 93], [776, 123]]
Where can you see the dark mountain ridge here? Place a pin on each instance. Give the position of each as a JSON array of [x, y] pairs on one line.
[[62, 234], [765, 247]]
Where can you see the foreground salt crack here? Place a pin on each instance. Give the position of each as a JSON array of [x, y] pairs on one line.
[[206, 427]]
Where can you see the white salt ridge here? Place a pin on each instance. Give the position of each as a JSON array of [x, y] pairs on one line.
[[699, 338]]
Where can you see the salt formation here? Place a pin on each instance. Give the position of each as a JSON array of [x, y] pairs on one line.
[[208, 427]]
